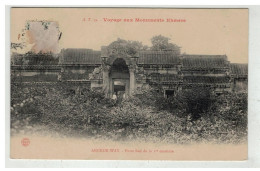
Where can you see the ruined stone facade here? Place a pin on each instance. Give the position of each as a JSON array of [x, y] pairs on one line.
[[113, 71]]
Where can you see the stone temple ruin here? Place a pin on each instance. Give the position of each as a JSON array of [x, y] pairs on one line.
[[114, 71]]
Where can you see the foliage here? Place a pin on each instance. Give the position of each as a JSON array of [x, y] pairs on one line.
[[153, 97], [232, 108], [127, 46], [161, 43], [31, 58], [198, 100], [147, 115]]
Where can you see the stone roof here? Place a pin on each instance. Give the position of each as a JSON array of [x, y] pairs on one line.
[[92, 57], [158, 57], [205, 61], [239, 69], [88, 56], [80, 56]]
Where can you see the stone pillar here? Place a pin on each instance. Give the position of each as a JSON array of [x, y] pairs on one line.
[[106, 84], [127, 87], [132, 80]]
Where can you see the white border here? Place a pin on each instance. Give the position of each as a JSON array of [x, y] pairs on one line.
[[254, 96]]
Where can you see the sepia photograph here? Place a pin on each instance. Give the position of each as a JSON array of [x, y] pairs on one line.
[[129, 83]]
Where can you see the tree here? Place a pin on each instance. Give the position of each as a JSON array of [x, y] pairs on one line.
[[126, 46], [161, 43]]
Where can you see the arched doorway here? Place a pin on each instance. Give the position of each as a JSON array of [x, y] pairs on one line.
[[118, 73], [119, 77]]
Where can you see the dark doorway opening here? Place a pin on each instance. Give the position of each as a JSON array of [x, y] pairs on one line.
[[118, 88], [119, 66], [119, 91], [120, 78], [169, 93]]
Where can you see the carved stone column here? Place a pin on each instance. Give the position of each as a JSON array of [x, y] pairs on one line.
[[106, 84], [132, 79]]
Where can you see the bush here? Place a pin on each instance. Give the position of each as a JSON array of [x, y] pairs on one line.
[[232, 109], [152, 97], [198, 100], [147, 115]]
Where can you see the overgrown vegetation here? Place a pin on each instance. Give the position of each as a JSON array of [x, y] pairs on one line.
[[190, 116], [159, 43]]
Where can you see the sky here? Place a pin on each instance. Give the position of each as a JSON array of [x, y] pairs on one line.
[[202, 31]]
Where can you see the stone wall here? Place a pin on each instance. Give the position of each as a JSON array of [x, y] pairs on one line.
[[181, 73]]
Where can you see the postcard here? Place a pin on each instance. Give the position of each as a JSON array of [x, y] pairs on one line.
[[129, 84]]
